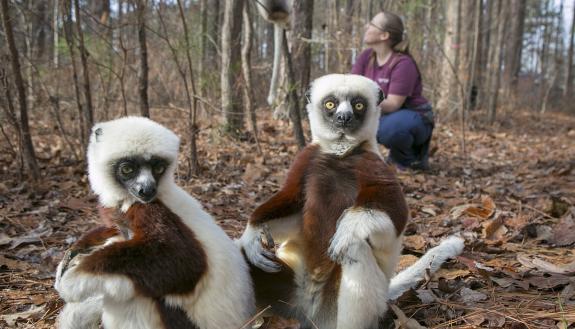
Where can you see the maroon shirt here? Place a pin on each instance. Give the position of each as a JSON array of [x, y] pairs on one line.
[[399, 76]]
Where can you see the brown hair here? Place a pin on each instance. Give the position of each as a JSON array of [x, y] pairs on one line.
[[394, 26]]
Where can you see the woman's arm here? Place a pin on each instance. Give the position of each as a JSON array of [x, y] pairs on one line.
[[392, 103]]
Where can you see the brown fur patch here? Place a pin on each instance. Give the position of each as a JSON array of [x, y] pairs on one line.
[[95, 237], [289, 199], [379, 189], [163, 257], [174, 317]]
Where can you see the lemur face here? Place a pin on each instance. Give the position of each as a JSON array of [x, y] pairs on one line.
[[344, 113], [140, 176], [344, 107], [132, 159]]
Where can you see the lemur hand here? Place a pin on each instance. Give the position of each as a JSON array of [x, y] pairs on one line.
[[251, 242]]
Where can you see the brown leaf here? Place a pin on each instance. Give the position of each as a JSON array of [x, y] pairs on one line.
[[414, 242], [494, 229], [549, 282], [403, 321], [32, 313], [563, 233], [485, 210], [451, 274], [475, 319]]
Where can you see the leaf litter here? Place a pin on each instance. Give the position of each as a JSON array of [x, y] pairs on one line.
[[512, 199]]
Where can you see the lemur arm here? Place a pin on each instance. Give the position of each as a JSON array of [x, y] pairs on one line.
[[379, 214], [281, 208]]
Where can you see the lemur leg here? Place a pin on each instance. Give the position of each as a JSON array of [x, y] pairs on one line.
[[361, 235], [76, 286], [82, 315]]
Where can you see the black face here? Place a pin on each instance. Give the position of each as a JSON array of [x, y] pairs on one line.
[[140, 176], [350, 117]]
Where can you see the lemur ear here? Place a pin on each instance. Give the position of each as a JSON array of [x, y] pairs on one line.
[[308, 94], [381, 97], [97, 132]]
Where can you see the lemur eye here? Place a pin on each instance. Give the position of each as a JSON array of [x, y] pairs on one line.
[[359, 106], [127, 169], [329, 105], [159, 169]]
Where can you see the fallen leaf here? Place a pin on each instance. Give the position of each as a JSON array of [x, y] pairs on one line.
[[495, 320], [485, 210], [33, 312], [414, 242], [552, 268], [563, 233], [469, 296], [451, 274], [32, 237], [403, 321], [4, 239], [475, 319], [550, 282]]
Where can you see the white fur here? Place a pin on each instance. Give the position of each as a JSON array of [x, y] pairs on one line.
[[224, 296], [124, 137], [84, 315], [367, 246], [332, 140], [431, 260]]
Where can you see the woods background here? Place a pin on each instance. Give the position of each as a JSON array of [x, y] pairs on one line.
[[499, 74], [69, 63]]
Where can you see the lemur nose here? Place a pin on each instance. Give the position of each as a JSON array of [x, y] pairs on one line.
[[147, 191], [344, 117]]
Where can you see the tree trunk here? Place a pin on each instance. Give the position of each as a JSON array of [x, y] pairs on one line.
[[88, 109], [568, 90], [518, 10], [496, 59], [208, 80], [294, 112], [302, 22], [69, 36], [231, 67], [192, 104], [247, 72], [143, 69], [27, 146], [448, 88], [55, 31]]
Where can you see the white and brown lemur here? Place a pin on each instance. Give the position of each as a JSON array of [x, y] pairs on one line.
[[163, 262], [340, 218]]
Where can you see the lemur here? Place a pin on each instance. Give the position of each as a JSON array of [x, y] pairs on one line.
[[164, 263], [339, 218]]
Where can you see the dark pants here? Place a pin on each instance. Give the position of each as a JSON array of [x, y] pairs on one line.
[[406, 133]]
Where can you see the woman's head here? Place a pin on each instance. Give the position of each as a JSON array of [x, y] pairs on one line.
[[387, 28]]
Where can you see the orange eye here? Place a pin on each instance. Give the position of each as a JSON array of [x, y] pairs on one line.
[[329, 105], [359, 106]]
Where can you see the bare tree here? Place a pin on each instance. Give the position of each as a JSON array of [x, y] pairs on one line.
[[88, 108], [568, 89], [27, 147], [302, 23], [293, 98], [448, 90], [247, 71], [143, 68], [231, 67], [496, 59], [513, 54]]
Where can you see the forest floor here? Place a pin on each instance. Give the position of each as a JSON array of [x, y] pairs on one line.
[[512, 198]]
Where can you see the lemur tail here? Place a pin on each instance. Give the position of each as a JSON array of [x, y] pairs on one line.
[[432, 260]]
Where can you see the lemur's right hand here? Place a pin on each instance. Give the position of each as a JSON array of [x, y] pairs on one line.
[[251, 242]]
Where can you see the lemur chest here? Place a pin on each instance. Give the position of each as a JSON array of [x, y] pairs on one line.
[[331, 187]]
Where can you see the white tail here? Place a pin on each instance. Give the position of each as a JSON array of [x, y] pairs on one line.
[[432, 260]]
